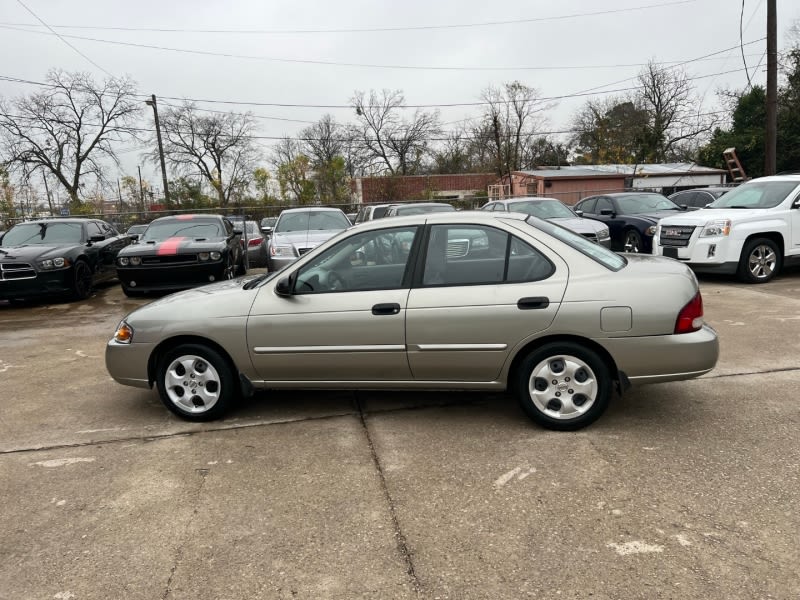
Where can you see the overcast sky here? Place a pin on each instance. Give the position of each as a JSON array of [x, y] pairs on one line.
[[555, 47]]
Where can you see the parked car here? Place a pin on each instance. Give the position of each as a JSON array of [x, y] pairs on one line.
[[299, 230], [134, 231], [368, 212], [418, 208], [535, 308], [267, 224], [631, 217], [180, 252], [698, 198], [752, 231], [58, 257], [554, 210], [256, 245]]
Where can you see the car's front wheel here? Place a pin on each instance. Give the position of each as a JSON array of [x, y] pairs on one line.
[[564, 386], [81, 280], [195, 382], [760, 261], [632, 241]]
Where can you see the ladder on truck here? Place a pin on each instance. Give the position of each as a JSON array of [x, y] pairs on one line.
[[735, 169]]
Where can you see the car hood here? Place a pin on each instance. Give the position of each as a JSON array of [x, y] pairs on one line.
[[32, 252], [174, 245], [579, 225], [701, 217], [303, 239], [656, 215], [216, 300]]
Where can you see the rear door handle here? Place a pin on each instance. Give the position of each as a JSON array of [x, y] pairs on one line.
[[533, 303], [390, 308]]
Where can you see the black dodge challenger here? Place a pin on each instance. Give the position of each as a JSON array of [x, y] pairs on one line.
[[54, 257], [180, 252]]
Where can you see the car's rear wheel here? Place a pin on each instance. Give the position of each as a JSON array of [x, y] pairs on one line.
[[196, 383], [241, 268], [81, 280], [760, 261], [564, 386], [632, 241]]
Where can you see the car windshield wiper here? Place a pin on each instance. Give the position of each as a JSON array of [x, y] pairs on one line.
[[249, 285]]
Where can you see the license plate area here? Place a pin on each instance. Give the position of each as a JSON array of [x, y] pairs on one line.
[[670, 252]]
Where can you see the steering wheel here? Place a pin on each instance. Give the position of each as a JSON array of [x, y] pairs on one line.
[[335, 282]]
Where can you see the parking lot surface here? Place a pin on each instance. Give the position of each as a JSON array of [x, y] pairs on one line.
[[681, 490]]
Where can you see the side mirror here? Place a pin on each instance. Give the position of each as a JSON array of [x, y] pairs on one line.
[[579, 213], [607, 212], [266, 230], [133, 236], [684, 207], [284, 287], [237, 231], [97, 238]]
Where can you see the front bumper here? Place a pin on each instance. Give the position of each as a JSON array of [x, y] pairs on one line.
[[170, 277], [128, 363], [276, 263], [704, 254], [660, 358], [46, 283]]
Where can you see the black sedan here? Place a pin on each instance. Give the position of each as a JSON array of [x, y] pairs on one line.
[[56, 257], [631, 217], [181, 252]]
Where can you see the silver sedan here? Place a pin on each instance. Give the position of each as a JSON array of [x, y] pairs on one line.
[[461, 300]]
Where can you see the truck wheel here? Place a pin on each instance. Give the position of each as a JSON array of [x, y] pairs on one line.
[[760, 261]]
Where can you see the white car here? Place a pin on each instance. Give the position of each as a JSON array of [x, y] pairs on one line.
[[751, 231]]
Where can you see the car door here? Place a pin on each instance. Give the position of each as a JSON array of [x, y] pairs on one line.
[[614, 221], [345, 318], [481, 290]]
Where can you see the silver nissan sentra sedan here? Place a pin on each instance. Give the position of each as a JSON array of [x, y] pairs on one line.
[[460, 300]]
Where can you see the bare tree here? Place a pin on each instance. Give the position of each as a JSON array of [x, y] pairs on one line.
[[675, 118], [394, 144], [511, 115], [219, 146], [293, 167], [69, 128]]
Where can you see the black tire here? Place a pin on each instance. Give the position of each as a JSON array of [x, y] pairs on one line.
[[130, 293], [198, 400], [580, 395], [634, 239], [81, 280], [241, 268], [760, 261], [229, 272]]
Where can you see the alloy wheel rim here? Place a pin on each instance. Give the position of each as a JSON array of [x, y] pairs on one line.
[[83, 279], [192, 384], [632, 242], [762, 262], [563, 387]]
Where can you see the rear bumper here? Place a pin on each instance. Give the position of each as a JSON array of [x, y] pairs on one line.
[[660, 358]]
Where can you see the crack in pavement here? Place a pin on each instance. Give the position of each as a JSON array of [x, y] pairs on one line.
[[179, 550], [400, 538]]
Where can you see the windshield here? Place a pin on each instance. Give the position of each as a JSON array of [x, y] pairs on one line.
[[312, 219], [644, 203], [418, 210], [756, 194], [44, 233], [136, 229], [544, 209], [268, 221], [596, 252], [160, 231]]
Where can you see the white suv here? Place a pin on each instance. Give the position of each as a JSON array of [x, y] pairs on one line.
[[751, 231]]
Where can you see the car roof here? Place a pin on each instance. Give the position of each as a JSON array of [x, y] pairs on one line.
[[311, 209], [461, 216], [192, 217], [526, 199], [59, 220], [623, 194]]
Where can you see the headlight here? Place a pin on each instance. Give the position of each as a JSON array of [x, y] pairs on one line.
[[716, 228], [281, 251], [203, 256], [54, 263], [651, 230], [123, 261], [135, 260], [602, 234], [215, 255], [124, 333]]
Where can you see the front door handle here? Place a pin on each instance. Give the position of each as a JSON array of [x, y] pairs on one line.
[[390, 308], [533, 303]]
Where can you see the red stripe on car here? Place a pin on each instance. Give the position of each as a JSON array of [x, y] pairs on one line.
[[185, 217], [170, 246]]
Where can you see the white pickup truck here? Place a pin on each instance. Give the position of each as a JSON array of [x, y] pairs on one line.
[[752, 231]]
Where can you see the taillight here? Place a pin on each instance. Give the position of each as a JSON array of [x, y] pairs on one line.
[[254, 242], [691, 316]]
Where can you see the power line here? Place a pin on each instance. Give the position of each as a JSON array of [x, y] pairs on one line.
[[59, 36], [328, 63], [521, 21]]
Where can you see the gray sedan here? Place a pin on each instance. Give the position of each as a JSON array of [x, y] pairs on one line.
[[299, 230], [462, 300], [556, 211]]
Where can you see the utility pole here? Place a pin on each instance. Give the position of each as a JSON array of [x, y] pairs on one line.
[[47, 191], [152, 102], [771, 137], [141, 188]]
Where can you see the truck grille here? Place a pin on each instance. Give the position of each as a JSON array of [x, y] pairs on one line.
[[676, 235], [12, 271]]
